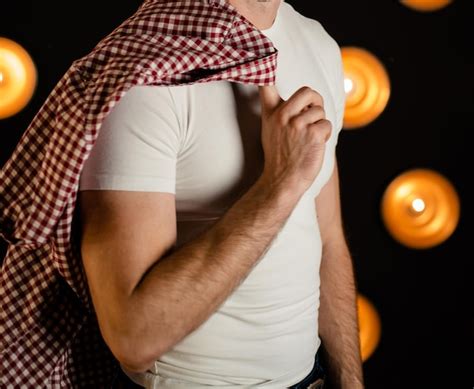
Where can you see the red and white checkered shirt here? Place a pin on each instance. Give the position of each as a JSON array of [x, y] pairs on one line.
[[49, 335]]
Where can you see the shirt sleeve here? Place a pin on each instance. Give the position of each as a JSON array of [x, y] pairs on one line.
[[332, 60], [340, 93], [336, 74], [137, 145]]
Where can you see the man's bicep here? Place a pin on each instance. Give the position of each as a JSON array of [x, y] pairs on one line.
[[122, 234], [127, 204]]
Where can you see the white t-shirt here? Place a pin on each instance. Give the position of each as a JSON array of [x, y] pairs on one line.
[[202, 142]]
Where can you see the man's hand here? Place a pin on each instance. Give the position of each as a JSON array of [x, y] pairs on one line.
[[294, 135]]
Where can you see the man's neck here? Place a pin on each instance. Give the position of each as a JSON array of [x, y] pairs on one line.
[[261, 13]]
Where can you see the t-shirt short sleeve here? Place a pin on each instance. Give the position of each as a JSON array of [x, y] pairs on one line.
[[332, 59], [137, 145], [340, 93]]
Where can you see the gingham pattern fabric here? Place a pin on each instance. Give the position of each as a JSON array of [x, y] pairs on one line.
[[49, 336]]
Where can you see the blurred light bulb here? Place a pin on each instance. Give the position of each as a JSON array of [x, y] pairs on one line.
[[426, 5], [17, 78], [420, 208], [348, 85], [366, 85], [418, 205], [370, 326]]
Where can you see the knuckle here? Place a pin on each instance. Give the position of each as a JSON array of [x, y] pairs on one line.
[[313, 95], [310, 93], [294, 123], [319, 136], [328, 124], [321, 131], [305, 89], [319, 111], [319, 97], [297, 122]]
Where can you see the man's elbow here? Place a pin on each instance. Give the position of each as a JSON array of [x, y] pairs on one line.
[[135, 365], [131, 348], [131, 353]]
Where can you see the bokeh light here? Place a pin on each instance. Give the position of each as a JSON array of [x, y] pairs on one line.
[[426, 5], [367, 87], [420, 208], [17, 78], [370, 327]]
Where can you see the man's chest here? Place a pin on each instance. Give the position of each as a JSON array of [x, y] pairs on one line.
[[221, 154]]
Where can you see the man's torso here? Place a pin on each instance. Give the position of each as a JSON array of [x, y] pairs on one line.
[[266, 332]]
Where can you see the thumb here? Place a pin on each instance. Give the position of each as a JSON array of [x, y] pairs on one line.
[[269, 97]]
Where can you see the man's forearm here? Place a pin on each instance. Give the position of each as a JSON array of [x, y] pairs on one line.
[[338, 325], [184, 288]]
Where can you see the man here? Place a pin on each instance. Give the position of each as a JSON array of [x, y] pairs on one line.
[[210, 224], [214, 309]]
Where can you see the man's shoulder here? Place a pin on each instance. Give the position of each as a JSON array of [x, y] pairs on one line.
[[310, 27], [325, 48]]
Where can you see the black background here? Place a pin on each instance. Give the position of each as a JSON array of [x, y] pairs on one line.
[[424, 297]]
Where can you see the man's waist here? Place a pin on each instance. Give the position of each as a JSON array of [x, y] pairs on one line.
[[236, 370]]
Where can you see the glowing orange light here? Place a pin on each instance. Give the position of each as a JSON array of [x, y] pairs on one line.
[[17, 78], [369, 327], [426, 5], [367, 87], [420, 208]]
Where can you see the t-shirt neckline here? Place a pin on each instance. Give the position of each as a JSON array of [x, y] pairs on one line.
[[276, 21]]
